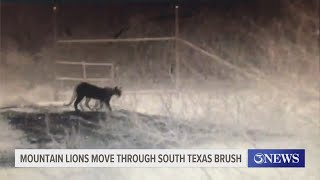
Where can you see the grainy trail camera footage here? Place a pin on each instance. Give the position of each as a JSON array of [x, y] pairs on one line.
[[219, 74]]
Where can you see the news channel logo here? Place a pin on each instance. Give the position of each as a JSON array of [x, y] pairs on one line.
[[284, 158]]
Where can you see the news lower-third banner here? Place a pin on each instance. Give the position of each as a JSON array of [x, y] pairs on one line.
[[154, 158]]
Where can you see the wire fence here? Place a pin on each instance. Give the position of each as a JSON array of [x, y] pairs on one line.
[[177, 41]]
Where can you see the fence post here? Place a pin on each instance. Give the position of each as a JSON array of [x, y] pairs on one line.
[[112, 73], [54, 24], [177, 59], [177, 70], [54, 19], [84, 72]]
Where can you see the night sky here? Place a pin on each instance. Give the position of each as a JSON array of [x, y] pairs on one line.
[[28, 26], [31, 21]]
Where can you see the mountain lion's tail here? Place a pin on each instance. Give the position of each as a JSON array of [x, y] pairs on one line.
[[74, 95]]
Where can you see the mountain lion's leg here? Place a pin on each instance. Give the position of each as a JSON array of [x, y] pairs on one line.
[[78, 100], [87, 103]]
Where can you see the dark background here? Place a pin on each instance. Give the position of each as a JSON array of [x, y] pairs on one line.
[[276, 38]]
